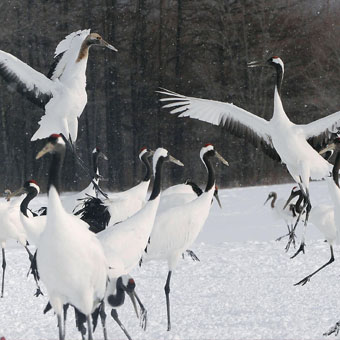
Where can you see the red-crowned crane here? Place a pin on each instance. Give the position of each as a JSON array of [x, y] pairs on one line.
[[278, 137], [177, 228], [62, 92]]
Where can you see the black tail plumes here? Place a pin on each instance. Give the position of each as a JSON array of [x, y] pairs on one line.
[[95, 213]]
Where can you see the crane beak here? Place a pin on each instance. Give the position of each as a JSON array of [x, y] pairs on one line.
[[256, 63], [292, 195], [102, 155], [220, 158], [10, 194], [151, 152], [266, 200], [176, 161], [217, 197], [46, 149], [329, 147], [133, 300], [107, 45]]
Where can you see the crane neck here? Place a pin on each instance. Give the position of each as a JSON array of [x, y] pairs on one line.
[[279, 78], [55, 169], [211, 171], [95, 163], [145, 160], [278, 107], [157, 182], [336, 169], [24, 204], [116, 300], [298, 204], [195, 188], [274, 198]]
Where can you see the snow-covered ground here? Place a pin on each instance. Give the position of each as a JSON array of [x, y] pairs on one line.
[[242, 288]]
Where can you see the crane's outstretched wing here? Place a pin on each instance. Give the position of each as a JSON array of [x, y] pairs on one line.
[[237, 121], [25, 80], [319, 132]]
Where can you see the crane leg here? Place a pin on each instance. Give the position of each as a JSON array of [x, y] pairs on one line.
[[60, 327], [80, 320], [3, 272], [89, 327], [308, 206], [34, 271], [102, 315], [307, 278], [114, 315], [167, 292], [192, 255], [290, 231], [143, 312], [335, 329], [65, 308]]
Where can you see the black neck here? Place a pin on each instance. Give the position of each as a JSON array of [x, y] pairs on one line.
[[24, 204], [196, 189], [157, 182], [145, 160], [298, 204], [273, 200], [279, 77], [95, 163], [211, 171], [55, 169], [119, 298], [336, 169]]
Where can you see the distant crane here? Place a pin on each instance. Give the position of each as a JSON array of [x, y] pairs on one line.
[[278, 207]]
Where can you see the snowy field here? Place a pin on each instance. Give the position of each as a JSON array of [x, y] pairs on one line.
[[242, 288]]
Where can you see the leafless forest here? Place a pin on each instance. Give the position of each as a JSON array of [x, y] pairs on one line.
[[195, 47]]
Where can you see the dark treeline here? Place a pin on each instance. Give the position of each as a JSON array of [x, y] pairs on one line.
[[195, 47]]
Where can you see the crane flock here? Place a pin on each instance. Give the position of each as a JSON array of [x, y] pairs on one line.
[[87, 246]]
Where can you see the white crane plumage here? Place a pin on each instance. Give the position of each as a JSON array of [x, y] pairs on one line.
[[322, 217], [279, 137], [119, 206], [10, 228], [71, 261], [176, 229], [33, 226], [122, 205], [180, 194], [62, 92], [334, 190], [32, 223], [278, 207], [125, 242]]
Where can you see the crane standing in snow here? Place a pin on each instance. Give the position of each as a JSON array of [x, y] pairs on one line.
[[125, 242], [71, 261], [176, 228]]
